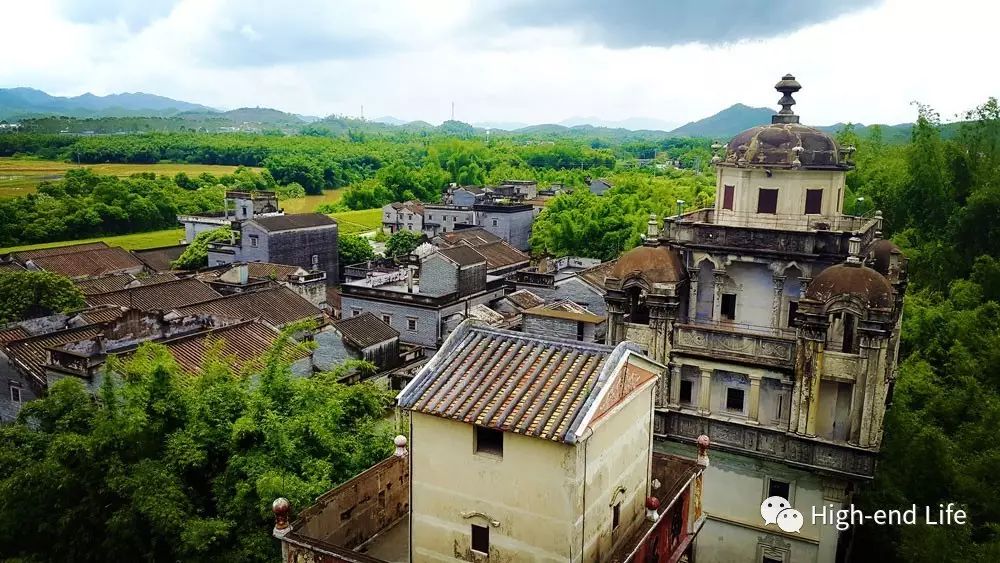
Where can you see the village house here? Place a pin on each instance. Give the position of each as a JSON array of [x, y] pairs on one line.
[[510, 220], [237, 207], [579, 280], [565, 319], [779, 317], [515, 459], [501, 258], [80, 261], [244, 277]]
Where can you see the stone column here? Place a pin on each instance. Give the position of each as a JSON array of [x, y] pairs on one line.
[[873, 349], [718, 278], [692, 296], [779, 288], [753, 412], [674, 400], [705, 392]]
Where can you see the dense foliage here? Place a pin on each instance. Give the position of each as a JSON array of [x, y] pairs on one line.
[[942, 201], [27, 295], [170, 467], [85, 204], [195, 255], [402, 243], [353, 249], [579, 223]]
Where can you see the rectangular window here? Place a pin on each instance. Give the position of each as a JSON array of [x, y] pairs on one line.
[[734, 399], [15, 394], [767, 200], [387, 319], [766, 559], [616, 515], [728, 308], [727, 197], [780, 411], [814, 202], [686, 388], [777, 488], [355, 312], [848, 346], [579, 330], [489, 441], [481, 539], [793, 308], [244, 211], [496, 223], [315, 261], [411, 323], [253, 241]]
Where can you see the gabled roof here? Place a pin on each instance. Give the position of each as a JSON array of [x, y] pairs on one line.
[[117, 282], [165, 296], [159, 259], [594, 276], [501, 254], [525, 299], [483, 313], [520, 383], [30, 354], [296, 221], [86, 263], [276, 306], [476, 236], [564, 309], [365, 330], [23, 256], [13, 333], [10, 267], [462, 255]]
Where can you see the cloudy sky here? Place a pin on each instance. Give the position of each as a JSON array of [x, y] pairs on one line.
[[529, 61]]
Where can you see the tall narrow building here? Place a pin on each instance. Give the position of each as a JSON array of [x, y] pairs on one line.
[[778, 316]]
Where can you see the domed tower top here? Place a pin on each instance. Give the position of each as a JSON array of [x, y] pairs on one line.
[[786, 143]]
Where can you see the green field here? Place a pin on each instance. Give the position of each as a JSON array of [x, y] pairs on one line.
[[137, 241], [309, 203], [21, 176], [354, 222]]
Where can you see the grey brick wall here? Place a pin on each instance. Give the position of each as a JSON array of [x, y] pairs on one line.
[[295, 247], [547, 326], [10, 377], [514, 228], [438, 276]]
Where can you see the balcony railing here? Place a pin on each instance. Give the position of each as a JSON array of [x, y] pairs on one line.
[[839, 459], [727, 343]]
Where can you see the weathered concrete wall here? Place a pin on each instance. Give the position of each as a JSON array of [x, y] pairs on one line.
[[426, 329], [755, 292], [791, 186], [438, 276], [10, 377]]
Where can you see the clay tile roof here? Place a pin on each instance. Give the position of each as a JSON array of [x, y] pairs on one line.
[[23, 256], [655, 264], [86, 263], [270, 270], [116, 282], [564, 309], [100, 314], [296, 221], [242, 345], [524, 299], [10, 267], [858, 281], [276, 306], [475, 236], [511, 381], [595, 275], [462, 255], [500, 254], [365, 330], [13, 333], [30, 354], [159, 259], [163, 296]]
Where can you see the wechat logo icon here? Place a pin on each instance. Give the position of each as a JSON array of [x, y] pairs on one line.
[[777, 510]]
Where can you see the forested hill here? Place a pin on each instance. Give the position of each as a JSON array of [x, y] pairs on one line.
[[22, 102]]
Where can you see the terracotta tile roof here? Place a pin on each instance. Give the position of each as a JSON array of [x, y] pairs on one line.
[[270, 270], [88, 263], [276, 306], [159, 259], [524, 299], [462, 255], [565, 310], [501, 254], [10, 267], [30, 354], [365, 330], [25, 255], [594, 276], [515, 382], [100, 314], [296, 221], [13, 333], [476, 236], [165, 296], [117, 282], [242, 344]]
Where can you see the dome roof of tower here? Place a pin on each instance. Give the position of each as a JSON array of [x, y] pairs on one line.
[[881, 251], [775, 145], [655, 264], [854, 280]]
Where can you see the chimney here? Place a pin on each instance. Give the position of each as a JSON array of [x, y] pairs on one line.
[[409, 279], [243, 272], [703, 443]]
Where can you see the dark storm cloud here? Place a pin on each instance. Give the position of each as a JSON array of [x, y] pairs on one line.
[[634, 23]]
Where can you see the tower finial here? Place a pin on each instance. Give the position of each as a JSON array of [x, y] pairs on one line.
[[787, 86]]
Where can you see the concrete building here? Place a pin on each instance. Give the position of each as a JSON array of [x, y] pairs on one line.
[[236, 208], [306, 240], [509, 220], [566, 320], [253, 276], [515, 459], [406, 216], [423, 302], [779, 317], [579, 280], [501, 258]]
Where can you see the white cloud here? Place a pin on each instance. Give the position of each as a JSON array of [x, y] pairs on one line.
[[412, 59]]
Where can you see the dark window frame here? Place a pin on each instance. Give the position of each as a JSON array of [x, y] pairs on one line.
[[480, 539], [728, 195], [814, 201], [488, 441], [616, 515], [731, 399], [783, 488], [793, 308], [726, 311], [769, 204], [690, 392]]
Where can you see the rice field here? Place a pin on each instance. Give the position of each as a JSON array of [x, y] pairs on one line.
[[355, 222], [309, 203], [21, 176], [136, 241]]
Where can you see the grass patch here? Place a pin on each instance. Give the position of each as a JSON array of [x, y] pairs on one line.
[[19, 176], [136, 241], [309, 203], [354, 222]]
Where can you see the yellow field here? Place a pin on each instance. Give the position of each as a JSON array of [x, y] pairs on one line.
[[137, 241], [21, 176], [309, 203]]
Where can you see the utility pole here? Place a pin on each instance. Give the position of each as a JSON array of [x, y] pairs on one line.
[[362, 112], [453, 111]]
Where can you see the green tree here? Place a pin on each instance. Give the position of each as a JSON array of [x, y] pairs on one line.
[[27, 295], [402, 243], [169, 467], [196, 254], [353, 249]]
